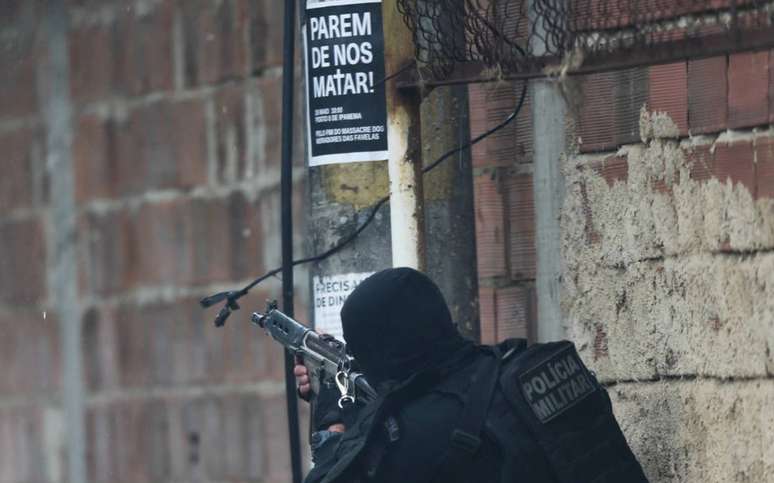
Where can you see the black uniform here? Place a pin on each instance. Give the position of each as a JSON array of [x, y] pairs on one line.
[[404, 435], [446, 410]]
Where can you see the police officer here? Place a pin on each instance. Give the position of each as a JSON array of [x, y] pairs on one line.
[[451, 411], [399, 329]]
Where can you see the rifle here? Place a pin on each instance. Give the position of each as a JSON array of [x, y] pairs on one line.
[[324, 356]]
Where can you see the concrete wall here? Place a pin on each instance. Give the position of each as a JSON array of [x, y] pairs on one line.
[[148, 130], [668, 252]]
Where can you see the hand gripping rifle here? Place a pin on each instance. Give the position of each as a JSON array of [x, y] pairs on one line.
[[323, 355]]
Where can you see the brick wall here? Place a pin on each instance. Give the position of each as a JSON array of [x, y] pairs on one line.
[[175, 154], [504, 212], [668, 234]]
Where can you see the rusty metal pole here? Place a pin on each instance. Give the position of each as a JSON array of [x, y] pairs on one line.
[[405, 155]]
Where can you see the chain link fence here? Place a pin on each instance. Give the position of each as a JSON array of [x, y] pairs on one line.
[[528, 37]]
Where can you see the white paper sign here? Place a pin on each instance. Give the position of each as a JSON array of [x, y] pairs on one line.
[[330, 292], [344, 55]]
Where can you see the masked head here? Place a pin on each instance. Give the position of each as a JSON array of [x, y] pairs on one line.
[[396, 323]]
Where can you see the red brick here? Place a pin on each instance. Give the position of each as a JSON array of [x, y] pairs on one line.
[[144, 50], [613, 169], [161, 145], [215, 37], [227, 239], [630, 95], [130, 56], [133, 347], [652, 10], [748, 86], [250, 416], [187, 133], [736, 162], [231, 134], [174, 325], [521, 214], [275, 434], [606, 14], [109, 251], [707, 90], [487, 315], [22, 445], [212, 240], [668, 92], [764, 152], [92, 63], [265, 24], [101, 427], [239, 353], [701, 163], [195, 241], [266, 106], [93, 159], [21, 152], [597, 123], [524, 129], [98, 344], [18, 89], [203, 421], [176, 343], [610, 113], [490, 221], [514, 307], [596, 14], [165, 241], [600, 342], [247, 233], [223, 439], [23, 273], [661, 186], [489, 106], [29, 352], [128, 441]]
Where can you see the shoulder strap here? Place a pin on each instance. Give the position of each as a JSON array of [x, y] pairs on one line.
[[466, 437]]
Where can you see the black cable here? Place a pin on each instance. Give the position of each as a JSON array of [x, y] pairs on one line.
[[232, 296], [395, 74], [482, 135]]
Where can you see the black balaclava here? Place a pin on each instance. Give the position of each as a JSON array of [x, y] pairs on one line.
[[396, 323]]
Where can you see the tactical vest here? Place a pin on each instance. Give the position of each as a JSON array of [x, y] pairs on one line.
[[549, 415], [540, 406]]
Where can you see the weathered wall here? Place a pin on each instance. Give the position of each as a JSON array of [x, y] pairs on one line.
[[668, 246], [174, 128]]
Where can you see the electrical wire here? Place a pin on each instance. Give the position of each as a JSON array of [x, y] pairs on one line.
[[232, 296]]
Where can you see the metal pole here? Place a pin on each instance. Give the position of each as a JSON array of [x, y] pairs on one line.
[[549, 138], [287, 227]]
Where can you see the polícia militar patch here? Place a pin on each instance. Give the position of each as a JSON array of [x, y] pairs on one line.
[[556, 384]]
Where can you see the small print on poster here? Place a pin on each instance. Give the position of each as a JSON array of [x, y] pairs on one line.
[[330, 292], [344, 53]]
